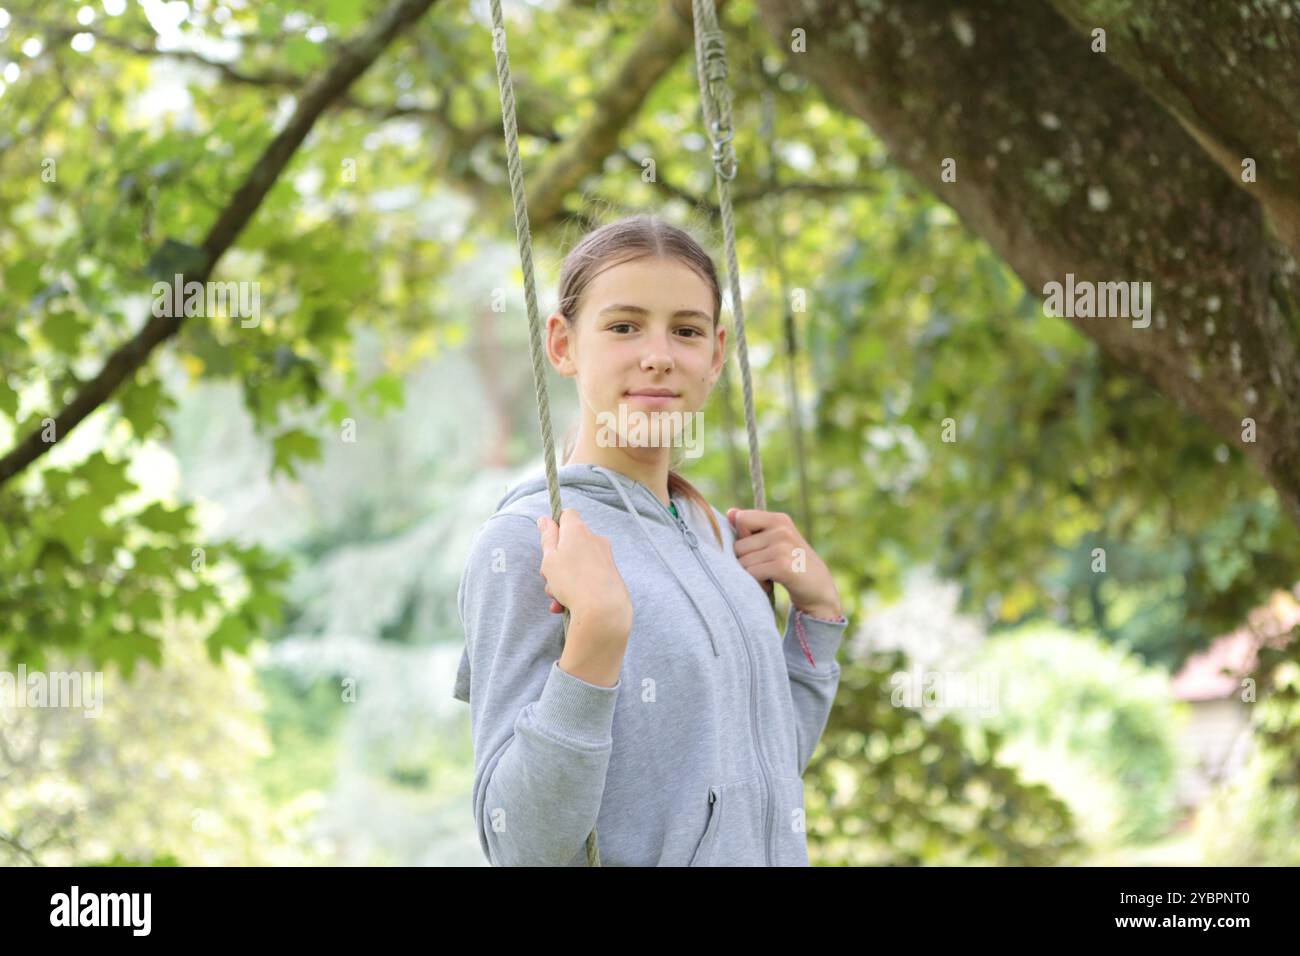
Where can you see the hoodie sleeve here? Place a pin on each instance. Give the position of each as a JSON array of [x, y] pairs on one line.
[[542, 737], [810, 646]]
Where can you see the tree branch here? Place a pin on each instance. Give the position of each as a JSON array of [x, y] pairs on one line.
[[1066, 165], [668, 36], [270, 79], [354, 58], [1232, 81], [753, 193]]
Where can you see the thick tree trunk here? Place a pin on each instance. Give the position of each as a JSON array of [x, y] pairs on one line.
[[1116, 166]]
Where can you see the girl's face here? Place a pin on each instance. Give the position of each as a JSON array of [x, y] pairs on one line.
[[643, 324]]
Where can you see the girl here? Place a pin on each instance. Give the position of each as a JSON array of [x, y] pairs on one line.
[[674, 718]]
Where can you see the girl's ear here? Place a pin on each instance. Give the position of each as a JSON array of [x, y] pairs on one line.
[[559, 343]]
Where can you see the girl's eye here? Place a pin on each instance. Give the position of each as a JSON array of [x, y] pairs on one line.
[[695, 333]]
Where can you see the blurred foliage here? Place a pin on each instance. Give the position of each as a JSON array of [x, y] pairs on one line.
[[1253, 819], [303, 725], [1278, 722], [1092, 722], [163, 771], [83, 573], [1056, 453], [119, 860], [909, 320], [888, 787]]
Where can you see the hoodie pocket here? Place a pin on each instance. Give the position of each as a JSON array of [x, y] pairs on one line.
[[737, 833], [704, 851]]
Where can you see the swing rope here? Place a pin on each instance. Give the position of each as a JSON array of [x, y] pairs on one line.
[[715, 99], [715, 102], [524, 233]]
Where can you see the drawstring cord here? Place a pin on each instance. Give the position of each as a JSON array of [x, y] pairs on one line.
[[618, 486]]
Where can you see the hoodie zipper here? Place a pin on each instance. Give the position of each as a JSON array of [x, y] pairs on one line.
[[693, 541]]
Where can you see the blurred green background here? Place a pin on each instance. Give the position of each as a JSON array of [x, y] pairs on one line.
[[258, 536]]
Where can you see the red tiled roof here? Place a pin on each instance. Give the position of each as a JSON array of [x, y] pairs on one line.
[[1217, 672]]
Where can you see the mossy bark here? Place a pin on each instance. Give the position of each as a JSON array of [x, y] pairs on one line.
[[1122, 165]]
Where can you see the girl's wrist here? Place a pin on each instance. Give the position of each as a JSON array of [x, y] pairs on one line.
[[822, 612]]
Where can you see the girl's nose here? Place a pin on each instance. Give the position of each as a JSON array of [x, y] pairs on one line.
[[657, 355]]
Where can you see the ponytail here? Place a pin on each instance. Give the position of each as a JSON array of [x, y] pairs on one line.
[[687, 490]]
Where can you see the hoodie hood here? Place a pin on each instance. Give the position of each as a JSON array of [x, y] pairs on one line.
[[617, 490], [600, 484], [638, 501]]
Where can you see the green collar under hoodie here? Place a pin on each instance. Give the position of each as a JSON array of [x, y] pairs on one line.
[[695, 757]]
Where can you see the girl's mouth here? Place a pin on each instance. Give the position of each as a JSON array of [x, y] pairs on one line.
[[652, 400]]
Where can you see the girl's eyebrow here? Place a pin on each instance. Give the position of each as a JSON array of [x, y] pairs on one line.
[[637, 310]]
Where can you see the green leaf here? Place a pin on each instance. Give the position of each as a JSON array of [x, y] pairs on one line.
[[8, 397], [154, 562], [388, 389], [292, 447], [145, 606], [141, 404], [158, 517], [195, 601], [128, 649], [108, 479], [54, 558], [23, 277], [264, 604], [301, 54], [173, 258], [267, 21], [64, 330], [344, 14], [219, 361], [78, 521], [338, 410], [233, 632]]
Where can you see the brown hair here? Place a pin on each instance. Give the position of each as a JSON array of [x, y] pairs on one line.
[[623, 240]]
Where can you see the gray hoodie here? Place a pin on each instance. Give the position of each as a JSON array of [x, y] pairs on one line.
[[695, 757]]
